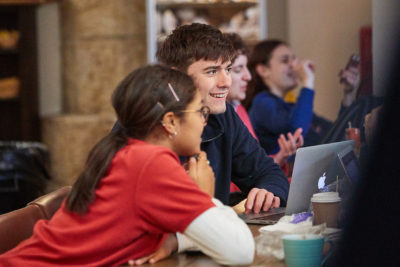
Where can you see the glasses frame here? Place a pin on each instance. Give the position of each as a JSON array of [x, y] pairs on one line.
[[204, 112]]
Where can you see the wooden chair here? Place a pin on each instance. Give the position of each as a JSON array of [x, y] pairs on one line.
[[17, 225]]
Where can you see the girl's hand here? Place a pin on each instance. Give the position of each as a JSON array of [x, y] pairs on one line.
[[169, 246], [288, 147], [304, 70], [201, 173]]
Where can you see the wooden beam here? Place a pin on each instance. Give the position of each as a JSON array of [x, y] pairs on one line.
[[24, 2]]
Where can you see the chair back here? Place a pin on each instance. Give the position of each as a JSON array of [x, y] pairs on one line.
[[17, 225], [50, 203]]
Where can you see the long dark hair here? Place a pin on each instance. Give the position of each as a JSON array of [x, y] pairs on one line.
[[261, 54], [140, 101]]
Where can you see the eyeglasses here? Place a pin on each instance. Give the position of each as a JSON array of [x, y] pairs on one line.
[[204, 111]]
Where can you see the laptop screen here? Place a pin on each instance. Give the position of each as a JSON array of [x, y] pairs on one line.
[[350, 164]]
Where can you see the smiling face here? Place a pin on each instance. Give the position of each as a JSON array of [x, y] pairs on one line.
[[213, 79], [279, 73], [191, 125], [240, 78]]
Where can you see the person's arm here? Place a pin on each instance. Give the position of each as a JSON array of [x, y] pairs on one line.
[[171, 201], [288, 147], [220, 234], [304, 70], [253, 170], [302, 112]]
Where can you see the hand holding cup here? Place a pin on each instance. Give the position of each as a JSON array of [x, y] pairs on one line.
[[304, 70]]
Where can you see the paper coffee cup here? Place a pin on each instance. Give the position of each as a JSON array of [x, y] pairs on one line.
[[326, 208]]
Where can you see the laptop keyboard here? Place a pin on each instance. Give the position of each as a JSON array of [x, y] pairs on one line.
[[271, 217]]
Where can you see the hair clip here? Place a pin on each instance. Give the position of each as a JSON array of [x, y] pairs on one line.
[[160, 105], [173, 92]]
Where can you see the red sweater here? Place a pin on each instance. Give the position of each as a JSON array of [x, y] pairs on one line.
[[244, 116], [145, 195]]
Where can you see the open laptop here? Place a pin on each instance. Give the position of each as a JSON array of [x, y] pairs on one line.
[[350, 164], [314, 166], [348, 182]]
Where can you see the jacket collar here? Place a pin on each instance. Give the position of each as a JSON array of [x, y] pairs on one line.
[[213, 129]]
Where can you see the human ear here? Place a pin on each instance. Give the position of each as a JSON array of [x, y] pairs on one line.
[[262, 70], [169, 122]]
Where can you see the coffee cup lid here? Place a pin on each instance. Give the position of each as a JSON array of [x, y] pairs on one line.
[[326, 197]]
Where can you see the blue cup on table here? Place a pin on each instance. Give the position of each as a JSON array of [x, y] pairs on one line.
[[304, 250]]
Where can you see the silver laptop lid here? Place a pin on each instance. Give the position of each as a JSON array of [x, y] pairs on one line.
[[310, 167]]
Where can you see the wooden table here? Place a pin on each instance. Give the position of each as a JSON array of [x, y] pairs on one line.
[[197, 259]]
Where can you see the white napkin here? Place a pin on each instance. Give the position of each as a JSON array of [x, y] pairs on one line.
[[269, 242]]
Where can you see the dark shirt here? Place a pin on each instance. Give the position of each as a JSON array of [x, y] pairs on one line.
[[234, 153]]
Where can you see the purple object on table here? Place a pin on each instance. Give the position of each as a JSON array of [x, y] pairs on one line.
[[301, 217]]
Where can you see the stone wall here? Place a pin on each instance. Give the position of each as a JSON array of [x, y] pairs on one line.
[[69, 139], [102, 41]]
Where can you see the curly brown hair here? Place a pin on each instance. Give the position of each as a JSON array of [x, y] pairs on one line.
[[190, 43]]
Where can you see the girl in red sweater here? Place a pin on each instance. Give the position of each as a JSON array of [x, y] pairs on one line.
[[134, 201]]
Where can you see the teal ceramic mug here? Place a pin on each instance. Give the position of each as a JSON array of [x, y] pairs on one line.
[[304, 250]]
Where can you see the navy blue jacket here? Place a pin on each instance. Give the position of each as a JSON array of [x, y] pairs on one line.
[[234, 153]]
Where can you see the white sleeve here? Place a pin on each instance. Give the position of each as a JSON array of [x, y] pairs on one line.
[[221, 234]]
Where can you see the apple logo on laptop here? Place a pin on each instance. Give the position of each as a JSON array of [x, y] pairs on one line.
[[321, 181]]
